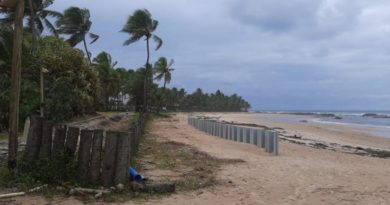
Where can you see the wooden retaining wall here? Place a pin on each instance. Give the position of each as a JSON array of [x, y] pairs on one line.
[[102, 157], [266, 139]]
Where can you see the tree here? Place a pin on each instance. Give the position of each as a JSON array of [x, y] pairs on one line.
[[140, 25], [38, 17], [163, 70], [107, 75], [15, 86], [75, 22]]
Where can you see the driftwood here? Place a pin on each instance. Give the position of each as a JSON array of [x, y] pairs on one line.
[[3, 196], [92, 191]]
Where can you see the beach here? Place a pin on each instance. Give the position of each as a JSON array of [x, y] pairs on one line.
[[330, 134], [298, 175]]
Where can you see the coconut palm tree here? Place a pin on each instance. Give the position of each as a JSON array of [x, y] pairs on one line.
[[106, 70], [141, 25], [38, 19], [163, 70], [38, 16], [75, 22]]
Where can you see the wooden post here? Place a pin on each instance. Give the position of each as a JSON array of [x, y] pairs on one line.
[[96, 155], [109, 159], [84, 160], [47, 137], [16, 73], [72, 139], [122, 157], [34, 139], [58, 141]]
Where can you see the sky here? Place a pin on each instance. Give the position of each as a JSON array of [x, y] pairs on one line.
[[277, 54]]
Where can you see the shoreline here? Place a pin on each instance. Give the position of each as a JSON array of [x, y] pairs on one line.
[[328, 136]]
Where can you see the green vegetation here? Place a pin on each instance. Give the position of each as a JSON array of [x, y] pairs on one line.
[[75, 22], [3, 136], [44, 73], [190, 168], [140, 25]]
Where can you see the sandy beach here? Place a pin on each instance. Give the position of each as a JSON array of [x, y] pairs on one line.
[[329, 134], [299, 175]]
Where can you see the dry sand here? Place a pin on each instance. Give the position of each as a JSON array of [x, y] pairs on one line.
[[330, 133], [300, 175]]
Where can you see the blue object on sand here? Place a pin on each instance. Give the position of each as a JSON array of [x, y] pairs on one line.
[[134, 175]]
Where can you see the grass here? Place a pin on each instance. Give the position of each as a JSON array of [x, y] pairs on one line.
[[3, 136], [193, 169], [134, 118], [109, 113]]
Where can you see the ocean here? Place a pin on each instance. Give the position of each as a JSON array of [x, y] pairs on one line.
[[374, 122]]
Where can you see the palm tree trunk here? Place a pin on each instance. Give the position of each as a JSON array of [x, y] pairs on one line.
[[86, 50], [15, 86], [146, 76], [42, 105], [162, 97]]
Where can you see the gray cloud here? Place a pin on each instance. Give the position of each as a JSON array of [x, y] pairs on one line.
[[295, 54]]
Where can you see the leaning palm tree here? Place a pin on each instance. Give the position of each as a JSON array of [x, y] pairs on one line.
[[75, 22], [141, 25], [163, 70]]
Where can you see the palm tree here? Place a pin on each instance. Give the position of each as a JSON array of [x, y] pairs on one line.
[[163, 70], [141, 25], [106, 70], [38, 18], [75, 22]]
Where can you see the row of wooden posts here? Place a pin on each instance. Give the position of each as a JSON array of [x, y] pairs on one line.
[[102, 156], [262, 138]]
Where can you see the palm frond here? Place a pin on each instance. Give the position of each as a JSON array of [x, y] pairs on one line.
[[171, 63], [75, 39], [50, 27], [38, 25], [159, 76], [158, 40], [54, 14], [114, 64], [154, 25], [94, 37], [132, 39]]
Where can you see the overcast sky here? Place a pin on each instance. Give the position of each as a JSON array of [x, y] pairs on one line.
[[277, 54]]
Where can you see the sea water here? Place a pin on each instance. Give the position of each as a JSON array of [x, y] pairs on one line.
[[373, 122]]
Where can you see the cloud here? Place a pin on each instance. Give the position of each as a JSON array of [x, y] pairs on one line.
[[295, 54]]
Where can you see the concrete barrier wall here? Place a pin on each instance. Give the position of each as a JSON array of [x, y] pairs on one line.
[[266, 139]]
